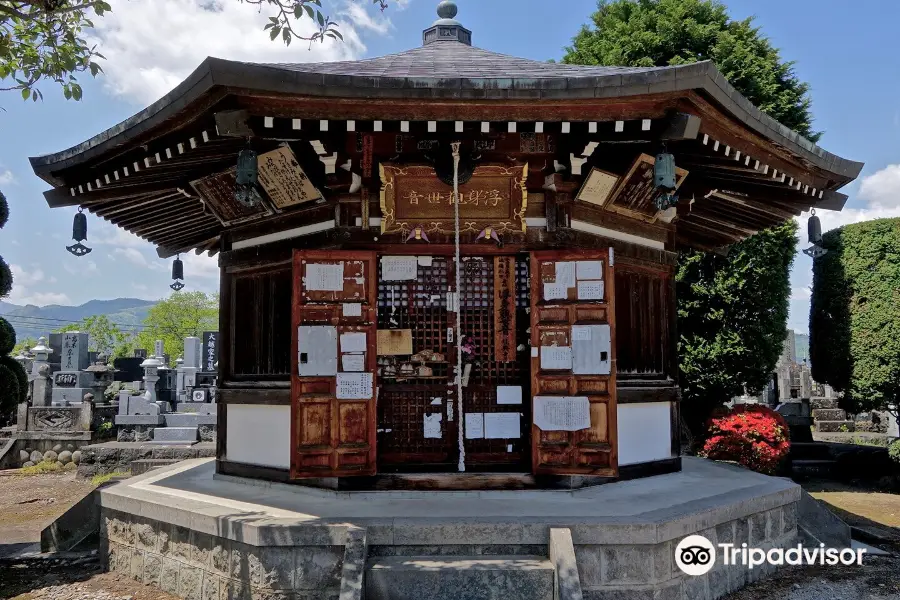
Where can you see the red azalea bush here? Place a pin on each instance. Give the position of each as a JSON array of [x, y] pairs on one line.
[[749, 434]]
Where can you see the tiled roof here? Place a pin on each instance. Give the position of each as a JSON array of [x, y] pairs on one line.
[[452, 60]]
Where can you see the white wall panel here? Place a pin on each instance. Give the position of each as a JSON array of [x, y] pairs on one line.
[[259, 435], [644, 432]]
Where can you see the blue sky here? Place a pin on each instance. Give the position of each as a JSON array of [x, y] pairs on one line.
[[846, 51]]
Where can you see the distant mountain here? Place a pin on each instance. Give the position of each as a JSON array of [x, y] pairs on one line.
[[35, 321]]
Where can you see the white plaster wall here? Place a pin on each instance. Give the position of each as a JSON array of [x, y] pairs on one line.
[[259, 435], [644, 432]]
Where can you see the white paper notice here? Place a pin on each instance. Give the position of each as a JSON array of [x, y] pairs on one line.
[[589, 269], [425, 261], [324, 278], [474, 426], [590, 290], [556, 358], [433, 426], [353, 363], [399, 268], [563, 413], [555, 291], [502, 426], [509, 394], [352, 310], [565, 274], [437, 401], [581, 333], [354, 386], [534, 351], [353, 342]]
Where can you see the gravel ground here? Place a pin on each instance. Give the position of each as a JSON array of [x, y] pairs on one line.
[[69, 576], [30, 503], [877, 579]]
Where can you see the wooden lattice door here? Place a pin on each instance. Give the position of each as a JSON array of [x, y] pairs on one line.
[[492, 309], [573, 366], [333, 379]]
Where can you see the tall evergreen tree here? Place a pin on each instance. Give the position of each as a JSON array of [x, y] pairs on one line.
[[13, 379], [732, 310]]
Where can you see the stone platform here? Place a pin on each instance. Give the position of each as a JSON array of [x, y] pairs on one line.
[[198, 535]]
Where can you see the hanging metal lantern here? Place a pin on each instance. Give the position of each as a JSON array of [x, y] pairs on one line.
[[814, 228], [664, 172], [246, 177], [177, 274], [79, 234]]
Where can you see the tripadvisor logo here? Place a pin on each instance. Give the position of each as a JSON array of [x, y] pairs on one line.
[[696, 555]]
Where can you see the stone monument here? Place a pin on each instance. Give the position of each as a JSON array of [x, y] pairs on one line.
[[186, 372], [41, 383], [71, 382]]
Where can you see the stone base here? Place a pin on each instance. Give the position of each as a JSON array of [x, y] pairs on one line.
[[117, 457], [196, 535], [135, 433]]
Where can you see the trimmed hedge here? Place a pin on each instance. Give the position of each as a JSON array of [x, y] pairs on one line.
[[854, 321]]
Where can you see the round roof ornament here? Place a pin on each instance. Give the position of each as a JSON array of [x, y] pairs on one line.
[[447, 9]]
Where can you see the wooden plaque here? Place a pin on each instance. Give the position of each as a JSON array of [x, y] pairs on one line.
[[284, 180], [635, 194], [495, 196]]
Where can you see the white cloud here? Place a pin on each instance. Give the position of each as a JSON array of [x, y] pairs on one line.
[[81, 268], [25, 279], [148, 54], [137, 258], [801, 293], [882, 188], [102, 233], [200, 266], [6, 177], [363, 19]]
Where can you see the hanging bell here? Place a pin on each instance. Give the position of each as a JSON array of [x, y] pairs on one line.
[[246, 177], [79, 234], [814, 228], [177, 274]]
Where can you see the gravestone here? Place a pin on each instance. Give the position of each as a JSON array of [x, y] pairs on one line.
[[186, 372], [55, 345], [71, 382], [140, 353], [128, 369]]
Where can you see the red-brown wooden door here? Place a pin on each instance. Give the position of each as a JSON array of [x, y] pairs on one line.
[[570, 311], [334, 304]]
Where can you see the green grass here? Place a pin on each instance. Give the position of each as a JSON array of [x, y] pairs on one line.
[[45, 466], [101, 479]]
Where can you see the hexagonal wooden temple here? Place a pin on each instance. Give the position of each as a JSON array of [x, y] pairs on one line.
[[353, 286]]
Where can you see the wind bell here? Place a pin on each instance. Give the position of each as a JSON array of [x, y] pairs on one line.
[[79, 234], [814, 229], [246, 177], [177, 274]]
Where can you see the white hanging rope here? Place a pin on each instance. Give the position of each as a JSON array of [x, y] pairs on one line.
[[461, 419]]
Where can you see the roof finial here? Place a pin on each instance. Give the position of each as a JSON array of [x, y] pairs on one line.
[[447, 9], [447, 28]]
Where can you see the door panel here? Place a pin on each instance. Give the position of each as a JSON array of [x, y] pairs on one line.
[[331, 437], [582, 321]]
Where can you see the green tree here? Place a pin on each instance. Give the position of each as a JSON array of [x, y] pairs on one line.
[[854, 322], [24, 345], [732, 310], [181, 315], [732, 315], [42, 40], [104, 336], [646, 33], [13, 379]]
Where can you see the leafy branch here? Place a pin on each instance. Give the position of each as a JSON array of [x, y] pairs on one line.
[[41, 40], [288, 11]]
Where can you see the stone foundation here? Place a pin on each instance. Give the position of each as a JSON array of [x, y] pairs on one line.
[[115, 457], [198, 566], [135, 433], [295, 545]]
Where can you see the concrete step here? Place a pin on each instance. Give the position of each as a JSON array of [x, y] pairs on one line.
[[460, 578], [175, 435], [832, 426], [143, 465], [810, 451], [189, 419], [201, 408], [823, 403], [812, 468], [829, 414]]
